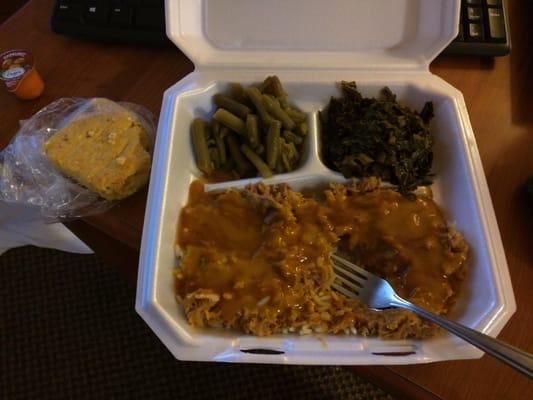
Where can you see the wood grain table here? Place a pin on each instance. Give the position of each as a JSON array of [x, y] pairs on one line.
[[499, 97]]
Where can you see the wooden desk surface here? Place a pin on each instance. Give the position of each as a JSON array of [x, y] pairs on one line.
[[498, 95]]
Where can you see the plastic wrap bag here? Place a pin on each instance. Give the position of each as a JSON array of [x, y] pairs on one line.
[[28, 177]]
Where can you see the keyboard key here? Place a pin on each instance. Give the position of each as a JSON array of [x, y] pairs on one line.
[[121, 15], [495, 3], [152, 18], [496, 23], [69, 11], [474, 13], [96, 13], [475, 32]]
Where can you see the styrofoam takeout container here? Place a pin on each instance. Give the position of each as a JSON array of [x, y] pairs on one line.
[[311, 45]]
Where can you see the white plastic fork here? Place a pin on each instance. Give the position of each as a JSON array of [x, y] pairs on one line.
[[357, 283]]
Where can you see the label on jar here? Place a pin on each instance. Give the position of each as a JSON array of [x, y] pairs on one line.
[[14, 64]]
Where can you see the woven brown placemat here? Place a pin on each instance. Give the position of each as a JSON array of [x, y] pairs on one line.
[[68, 330]]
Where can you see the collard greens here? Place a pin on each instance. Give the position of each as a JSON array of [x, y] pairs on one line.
[[377, 137]]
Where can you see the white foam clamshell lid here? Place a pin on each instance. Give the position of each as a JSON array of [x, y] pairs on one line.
[[391, 43]]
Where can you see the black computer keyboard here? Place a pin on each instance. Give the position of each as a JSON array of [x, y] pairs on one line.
[[133, 21], [484, 29]]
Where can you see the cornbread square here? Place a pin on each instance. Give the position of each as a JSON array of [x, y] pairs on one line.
[[106, 152]]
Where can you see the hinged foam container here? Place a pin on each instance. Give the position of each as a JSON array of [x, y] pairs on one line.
[[311, 45]]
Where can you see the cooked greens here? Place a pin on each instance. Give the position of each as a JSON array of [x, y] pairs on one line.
[[377, 137]]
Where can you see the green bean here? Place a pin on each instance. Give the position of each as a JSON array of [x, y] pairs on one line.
[[289, 154], [296, 115], [260, 149], [215, 159], [292, 138], [272, 143], [276, 111], [278, 91], [257, 161], [285, 161], [279, 166], [257, 98], [214, 127], [302, 129], [236, 92], [224, 131], [273, 98], [265, 86], [242, 164], [221, 146], [293, 151], [211, 127], [231, 105], [230, 120], [200, 146], [283, 147], [285, 154], [252, 129]]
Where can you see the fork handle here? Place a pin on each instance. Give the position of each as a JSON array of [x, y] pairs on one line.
[[516, 358]]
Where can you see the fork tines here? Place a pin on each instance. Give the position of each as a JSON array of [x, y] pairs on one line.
[[350, 278]]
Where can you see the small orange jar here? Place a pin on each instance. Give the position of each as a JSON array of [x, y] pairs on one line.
[[18, 73]]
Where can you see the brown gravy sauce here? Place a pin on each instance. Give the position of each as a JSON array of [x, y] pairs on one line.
[[253, 255]]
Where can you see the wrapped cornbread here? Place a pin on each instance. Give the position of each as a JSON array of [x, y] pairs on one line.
[[106, 152], [76, 156]]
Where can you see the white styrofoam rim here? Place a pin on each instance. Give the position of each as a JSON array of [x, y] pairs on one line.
[[185, 27], [152, 313], [488, 219]]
